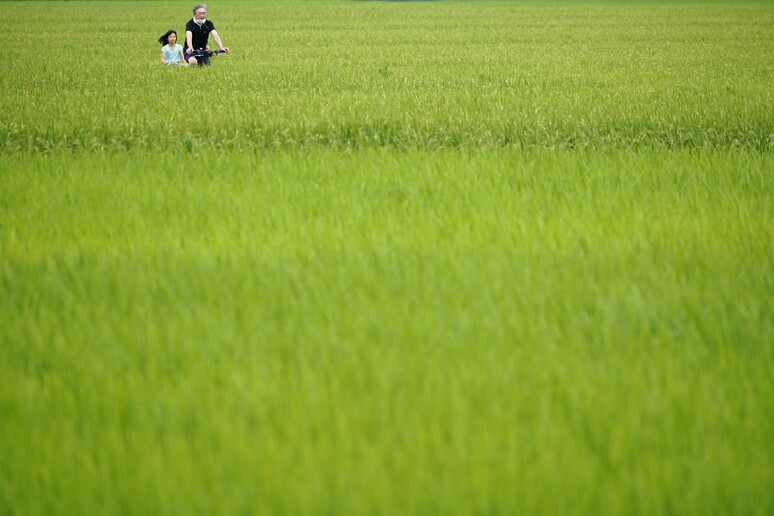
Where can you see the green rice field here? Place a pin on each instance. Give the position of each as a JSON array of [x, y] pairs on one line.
[[448, 257]]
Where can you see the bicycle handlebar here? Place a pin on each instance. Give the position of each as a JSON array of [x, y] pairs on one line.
[[203, 52]]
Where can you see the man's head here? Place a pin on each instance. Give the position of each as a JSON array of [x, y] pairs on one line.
[[200, 11]]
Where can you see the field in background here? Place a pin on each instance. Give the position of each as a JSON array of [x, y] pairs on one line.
[[389, 257], [354, 74]]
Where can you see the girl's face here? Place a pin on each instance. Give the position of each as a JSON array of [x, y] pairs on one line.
[[172, 38]]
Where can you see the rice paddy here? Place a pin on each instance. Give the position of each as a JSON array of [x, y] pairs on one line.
[[388, 257]]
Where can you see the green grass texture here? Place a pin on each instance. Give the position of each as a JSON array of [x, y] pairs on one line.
[[387, 332], [349, 74], [447, 257]]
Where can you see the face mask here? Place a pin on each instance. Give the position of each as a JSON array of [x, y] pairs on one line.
[[200, 22]]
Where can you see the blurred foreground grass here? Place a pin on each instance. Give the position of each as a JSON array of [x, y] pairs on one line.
[[386, 331]]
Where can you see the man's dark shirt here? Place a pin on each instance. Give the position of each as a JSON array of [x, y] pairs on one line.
[[199, 33]]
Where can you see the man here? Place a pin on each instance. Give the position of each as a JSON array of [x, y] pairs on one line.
[[197, 31]]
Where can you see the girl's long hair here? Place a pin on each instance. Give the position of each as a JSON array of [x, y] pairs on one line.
[[163, 39]]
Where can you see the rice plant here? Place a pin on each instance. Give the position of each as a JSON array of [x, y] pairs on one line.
[[388, 258]]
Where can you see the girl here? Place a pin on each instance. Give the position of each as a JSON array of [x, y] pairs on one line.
[[171, 52]]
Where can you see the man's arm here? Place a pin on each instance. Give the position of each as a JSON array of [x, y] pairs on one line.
[[189, 41], [217, 40]]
